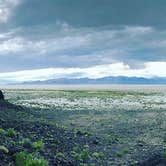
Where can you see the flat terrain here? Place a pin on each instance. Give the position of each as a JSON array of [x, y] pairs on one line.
[[112, 127]]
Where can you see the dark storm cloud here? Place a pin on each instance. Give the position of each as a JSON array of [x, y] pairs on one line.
[[91, 12], [38, 34]]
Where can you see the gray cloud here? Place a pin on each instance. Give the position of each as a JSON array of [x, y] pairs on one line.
[[6, 8], [81, 47], [91, 13], [38, 34]]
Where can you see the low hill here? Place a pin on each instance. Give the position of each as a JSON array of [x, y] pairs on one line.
[[105, 80], [24, 139]]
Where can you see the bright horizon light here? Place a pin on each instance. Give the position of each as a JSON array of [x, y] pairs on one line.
[[150, 70]]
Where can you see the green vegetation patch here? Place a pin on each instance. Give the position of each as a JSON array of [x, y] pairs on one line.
[[38, 144], [24, 159]]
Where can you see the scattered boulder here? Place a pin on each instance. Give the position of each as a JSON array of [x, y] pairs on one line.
[[1, 95]]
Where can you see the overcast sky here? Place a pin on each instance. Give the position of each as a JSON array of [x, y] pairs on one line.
[[126, 37]]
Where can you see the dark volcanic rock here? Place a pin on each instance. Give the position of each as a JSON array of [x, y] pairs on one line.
[[155, 160], [1, 95], [55, 139]]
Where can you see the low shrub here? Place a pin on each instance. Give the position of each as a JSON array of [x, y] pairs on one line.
[[83, 155], [122, 152], [38, 144], [2, 131], [98, 154], [23, 159], [10, 132], [60, 154]]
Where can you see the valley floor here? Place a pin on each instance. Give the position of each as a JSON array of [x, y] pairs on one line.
[[82, 127]]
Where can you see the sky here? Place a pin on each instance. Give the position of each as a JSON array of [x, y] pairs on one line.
[[51, 39]]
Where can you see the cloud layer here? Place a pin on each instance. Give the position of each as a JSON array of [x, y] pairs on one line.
[[80, 47], [6, 8], [61, 35], [150, 70]]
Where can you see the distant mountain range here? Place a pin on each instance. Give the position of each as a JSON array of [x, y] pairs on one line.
[[105, 80]]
